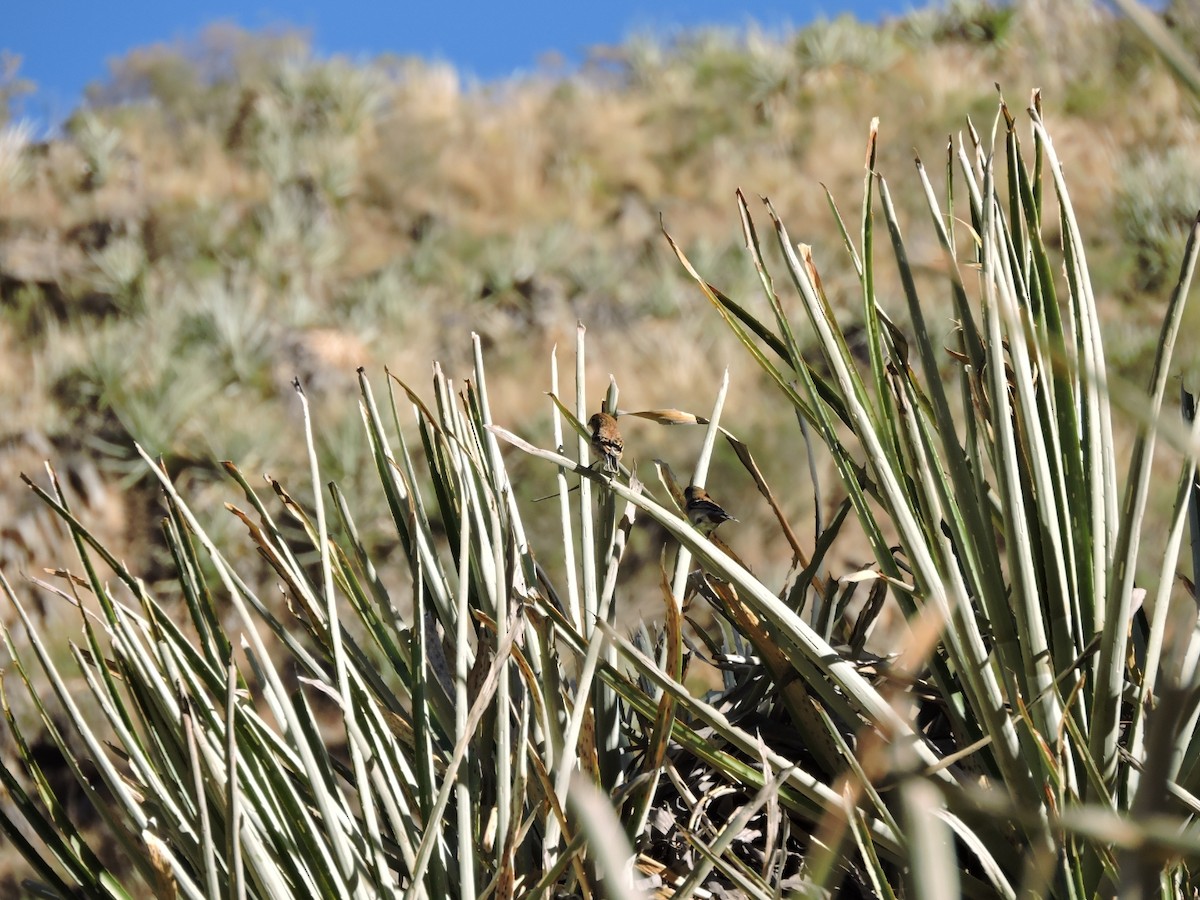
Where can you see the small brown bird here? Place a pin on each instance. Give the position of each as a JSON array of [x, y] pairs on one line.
[[702, 511], [606, 441]]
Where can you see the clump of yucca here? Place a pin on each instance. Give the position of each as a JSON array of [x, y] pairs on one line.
[[486, 729]]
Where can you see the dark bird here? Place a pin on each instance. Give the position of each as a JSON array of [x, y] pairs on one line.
[[702, 511], [606, 440]]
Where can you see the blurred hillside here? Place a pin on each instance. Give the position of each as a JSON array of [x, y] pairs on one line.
[[226, 214]]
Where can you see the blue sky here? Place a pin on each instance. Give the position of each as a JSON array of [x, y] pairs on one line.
[[65, 44]]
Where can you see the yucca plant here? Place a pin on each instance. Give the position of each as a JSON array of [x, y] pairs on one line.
[[1033, 737], [466, 721]]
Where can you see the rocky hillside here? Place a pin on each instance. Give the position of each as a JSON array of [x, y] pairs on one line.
[[231, 212]]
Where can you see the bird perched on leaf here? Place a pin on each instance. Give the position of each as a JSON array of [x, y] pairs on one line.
[[702, 511], [606, 441]]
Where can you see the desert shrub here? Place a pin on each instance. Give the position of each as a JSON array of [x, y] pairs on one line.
[[98, 143], [845, 45], [1157, 198], [14, 144], [12, 86]]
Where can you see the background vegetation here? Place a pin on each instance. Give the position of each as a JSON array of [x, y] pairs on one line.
[[226, 215], [231, 212]]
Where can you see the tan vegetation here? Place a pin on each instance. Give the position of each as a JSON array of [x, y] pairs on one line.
[[231, 212]]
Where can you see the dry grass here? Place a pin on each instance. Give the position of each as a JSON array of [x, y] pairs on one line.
[[297, 216]]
